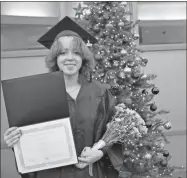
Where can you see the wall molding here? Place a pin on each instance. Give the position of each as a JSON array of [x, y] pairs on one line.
[[167, 134], [24, 53], [163, 47]]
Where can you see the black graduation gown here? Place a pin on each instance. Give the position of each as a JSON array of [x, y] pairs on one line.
[[89, 115]]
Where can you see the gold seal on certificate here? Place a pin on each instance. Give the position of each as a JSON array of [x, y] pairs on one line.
[[45, 145]]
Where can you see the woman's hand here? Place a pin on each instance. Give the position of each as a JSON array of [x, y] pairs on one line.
[[90, 156], [11, 136]]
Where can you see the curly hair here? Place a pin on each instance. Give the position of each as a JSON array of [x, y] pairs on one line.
[[85, 53]]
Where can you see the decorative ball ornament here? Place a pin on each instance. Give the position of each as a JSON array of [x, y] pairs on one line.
[[98, 57], [148, 156], [136, 36], [165, 153], [123, 52], [153, 107], [167, 125], [155, 90], [124, 3], [161, 145], [88, 12], [144, 92], [116, 56], [135, 76], [127, 69], [121, 74], [121, 24], [131, 64], [163, 163], [109, 25], [115, 63], [144, 61], [96, 29], [148, 124]]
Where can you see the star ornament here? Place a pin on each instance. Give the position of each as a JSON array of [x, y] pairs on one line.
[[79, 11]]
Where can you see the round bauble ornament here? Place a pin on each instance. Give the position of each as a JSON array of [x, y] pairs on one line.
[[135, 36], [163, 163], [131, 64], [155, 90], [127, 153], [167, 125], [144, 92], [161, 145], [116, 56], [148, 156], [121, 24], [148, 124], [121, 74], [127, 70], [98, 57], [88, 12], [96, 29], [153, 107], [109, 25], [135, 76], [165, 153], [106, 17], [115, 63], [123, 52], [124, 3], [107, 65], [144, 60]]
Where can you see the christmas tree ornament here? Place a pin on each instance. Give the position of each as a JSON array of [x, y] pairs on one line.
[[98, 57], [88, 12], [115, 63], [116, 56], [148, 156], [144, 92], [135, 76], [144, 60], [109, 25], [148, 124], [136, 36], [127, 69], [163, 163], [165, 153], [79, 11], [123, 52], [96, 29], [124, 3], [121, 24], [155, 90], [153, 107], [167, 125], [131, 64], [161, 145], [121, 74]]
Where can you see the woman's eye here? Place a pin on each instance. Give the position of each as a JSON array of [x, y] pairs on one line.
[[62, 53], [76, 52]]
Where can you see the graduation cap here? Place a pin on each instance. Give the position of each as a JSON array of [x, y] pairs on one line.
[[66, 27]]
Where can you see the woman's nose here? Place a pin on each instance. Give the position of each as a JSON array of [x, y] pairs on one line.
[[70, 56]]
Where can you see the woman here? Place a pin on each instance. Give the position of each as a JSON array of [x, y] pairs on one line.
[[87, 100]]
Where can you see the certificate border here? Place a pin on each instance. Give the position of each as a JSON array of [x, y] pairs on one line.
[[51, 164]]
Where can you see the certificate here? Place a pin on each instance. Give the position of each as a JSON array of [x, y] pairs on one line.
[[45, 145]]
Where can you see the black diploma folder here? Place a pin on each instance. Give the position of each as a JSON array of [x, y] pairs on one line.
[[35, 99]]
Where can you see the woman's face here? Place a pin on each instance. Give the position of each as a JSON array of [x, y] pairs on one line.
[[69, 60]]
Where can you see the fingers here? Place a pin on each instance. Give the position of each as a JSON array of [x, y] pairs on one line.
[[10, 142], [11, 136], [8, 131], [84, 160]]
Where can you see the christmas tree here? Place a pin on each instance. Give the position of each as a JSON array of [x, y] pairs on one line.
[[119, 63]]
